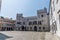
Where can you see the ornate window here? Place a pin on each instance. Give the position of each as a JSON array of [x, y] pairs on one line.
[[18, 22], [34, 22], [39, 22], [43, 28], [39, 27], [30, 23]]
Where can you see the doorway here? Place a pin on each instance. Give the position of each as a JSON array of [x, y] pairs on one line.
[[35, 28], [23, 28]]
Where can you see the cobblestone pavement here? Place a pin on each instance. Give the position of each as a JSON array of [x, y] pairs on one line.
[[19, 35]]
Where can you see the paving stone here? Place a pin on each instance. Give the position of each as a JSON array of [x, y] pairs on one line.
[[25, 35]]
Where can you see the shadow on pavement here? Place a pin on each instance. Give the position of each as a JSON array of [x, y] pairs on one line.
[[4, 37]]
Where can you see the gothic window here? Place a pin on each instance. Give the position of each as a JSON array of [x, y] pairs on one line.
[[18, 22], [39, 22], [39, 27], [30, 23], [34, 22], [43, 28]]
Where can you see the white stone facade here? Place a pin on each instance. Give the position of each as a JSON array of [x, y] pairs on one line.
[[33, 23], [55, 16]]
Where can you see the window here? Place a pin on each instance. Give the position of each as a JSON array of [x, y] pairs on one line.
[[41, 15], [18, 22], [34, 22], [39, 27], [30, 23], [9, 24], [43, 28], [23, 23], [39, 22]]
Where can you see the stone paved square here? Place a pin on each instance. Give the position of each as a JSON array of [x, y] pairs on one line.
[[25, 35]]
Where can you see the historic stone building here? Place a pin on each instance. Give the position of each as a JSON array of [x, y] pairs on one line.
[[33, 23], [6, 24], [55, 16]]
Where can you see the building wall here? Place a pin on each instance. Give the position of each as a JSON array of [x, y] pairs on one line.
[[6, 24], [54, 16], [33, 23]]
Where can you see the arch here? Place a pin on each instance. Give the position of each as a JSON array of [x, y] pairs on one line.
[[35, 28], [23, 28]]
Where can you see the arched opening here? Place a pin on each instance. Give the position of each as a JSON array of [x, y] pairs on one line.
[[35, 28], [12, 28], [8, 29], [23, 28]]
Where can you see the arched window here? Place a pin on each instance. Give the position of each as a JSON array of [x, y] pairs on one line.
[[18, 22], [43, 28], [39, 27], [35, 28], [34, 22], [39, 22], [30, 23]]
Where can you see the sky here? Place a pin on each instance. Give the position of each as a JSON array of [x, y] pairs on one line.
[[10, 8]]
